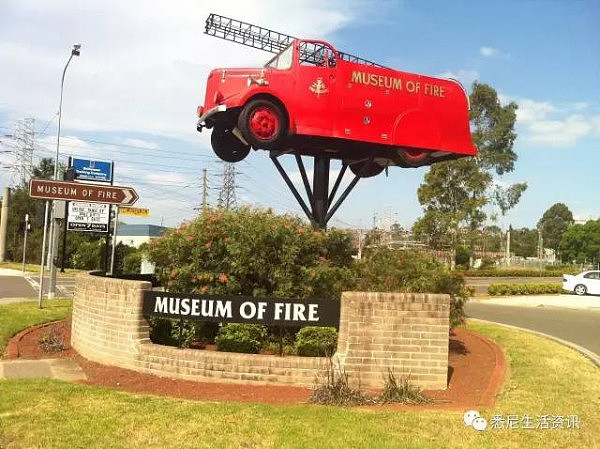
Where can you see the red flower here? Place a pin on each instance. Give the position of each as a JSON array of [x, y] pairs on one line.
[[223, 278], [204, 290]]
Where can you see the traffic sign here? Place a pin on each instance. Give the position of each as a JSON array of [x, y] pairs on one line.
[[91, 193], [89, 217], [134, 211], [90, 170]]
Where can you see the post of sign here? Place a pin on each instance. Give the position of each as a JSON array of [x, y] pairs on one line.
[[25, 240], [107, 240], [114, 242], [42, 263]]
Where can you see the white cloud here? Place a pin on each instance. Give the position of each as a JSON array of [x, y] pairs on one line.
[[559, 133], [466, 77], [548, 124], [143, 63], [139, 143], [488, 52], [491, 52], [596, 125], [531, 111]]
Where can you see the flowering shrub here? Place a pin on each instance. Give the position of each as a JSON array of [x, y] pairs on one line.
[[253, 252]]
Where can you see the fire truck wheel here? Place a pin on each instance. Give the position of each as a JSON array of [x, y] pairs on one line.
[[262, 124], [413, 157], [366, 169], [227, 146]]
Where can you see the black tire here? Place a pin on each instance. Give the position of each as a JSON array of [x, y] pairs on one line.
[[580, 289], [274, 124], [366, 169], [227, 146]]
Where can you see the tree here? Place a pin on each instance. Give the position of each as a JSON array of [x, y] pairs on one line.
[[554, 223], [524, 242], [581, 243], [454, 193], [45, 169]]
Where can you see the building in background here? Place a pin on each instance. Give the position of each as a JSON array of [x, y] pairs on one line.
[[136, 235]]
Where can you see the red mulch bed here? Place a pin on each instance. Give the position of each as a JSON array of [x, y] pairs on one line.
[[476, 371]]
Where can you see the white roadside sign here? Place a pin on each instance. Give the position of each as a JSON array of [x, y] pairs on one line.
[[90, 217]]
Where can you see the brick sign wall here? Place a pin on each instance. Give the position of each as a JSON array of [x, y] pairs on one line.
[[378, 331]]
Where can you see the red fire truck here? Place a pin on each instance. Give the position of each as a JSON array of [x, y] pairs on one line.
[[310, 100]]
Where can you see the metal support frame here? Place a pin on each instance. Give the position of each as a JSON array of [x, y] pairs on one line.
[[320, 199]]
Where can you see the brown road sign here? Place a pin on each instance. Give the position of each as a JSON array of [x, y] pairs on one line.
[[73, 191]]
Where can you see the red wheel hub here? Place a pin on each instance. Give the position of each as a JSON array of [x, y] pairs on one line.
[[413, 155], [264, 123]]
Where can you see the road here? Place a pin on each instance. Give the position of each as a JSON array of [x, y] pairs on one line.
[[481, 284], [19, 286], [581, 327]]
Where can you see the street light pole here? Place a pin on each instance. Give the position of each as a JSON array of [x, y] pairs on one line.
[[54, 223]]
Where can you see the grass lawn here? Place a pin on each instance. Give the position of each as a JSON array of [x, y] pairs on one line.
[[16, 317], [545, 378], [35, 268]]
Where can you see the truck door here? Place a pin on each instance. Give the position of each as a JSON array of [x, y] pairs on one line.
[[316, 102]]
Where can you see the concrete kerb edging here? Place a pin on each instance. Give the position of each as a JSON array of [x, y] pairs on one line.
[[595, 358]]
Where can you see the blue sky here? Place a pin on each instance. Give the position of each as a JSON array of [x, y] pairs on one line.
[[131, 96]]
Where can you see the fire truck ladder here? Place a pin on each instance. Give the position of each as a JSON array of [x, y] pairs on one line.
[[321, 205], [262, 38]]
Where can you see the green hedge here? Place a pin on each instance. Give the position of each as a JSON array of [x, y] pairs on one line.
[[523, 289], [518, 273], [248, 338], [316, 341]]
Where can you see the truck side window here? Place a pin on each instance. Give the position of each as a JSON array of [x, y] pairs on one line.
[[315, 54]]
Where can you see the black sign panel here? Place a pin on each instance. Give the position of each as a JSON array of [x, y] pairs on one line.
[[243, 309]]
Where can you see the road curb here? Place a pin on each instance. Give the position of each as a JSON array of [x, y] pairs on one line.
[[595, 358]]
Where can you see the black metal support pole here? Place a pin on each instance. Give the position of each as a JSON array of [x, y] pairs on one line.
[[291, 186], [281, 341], [309, 193], [68, 176], [320, 191], [337, 183], [341, 199]]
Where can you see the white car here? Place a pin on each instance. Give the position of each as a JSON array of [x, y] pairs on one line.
[[587, 282]]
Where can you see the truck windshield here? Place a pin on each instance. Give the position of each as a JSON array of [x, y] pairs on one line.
[[283, 60]]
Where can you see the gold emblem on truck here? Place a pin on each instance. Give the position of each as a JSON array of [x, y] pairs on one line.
[[318, 87]]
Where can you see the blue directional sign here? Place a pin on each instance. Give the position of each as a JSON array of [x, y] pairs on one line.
[[89, 170]]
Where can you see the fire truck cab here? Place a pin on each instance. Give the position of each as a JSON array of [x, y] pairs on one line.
[[314, 101]]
